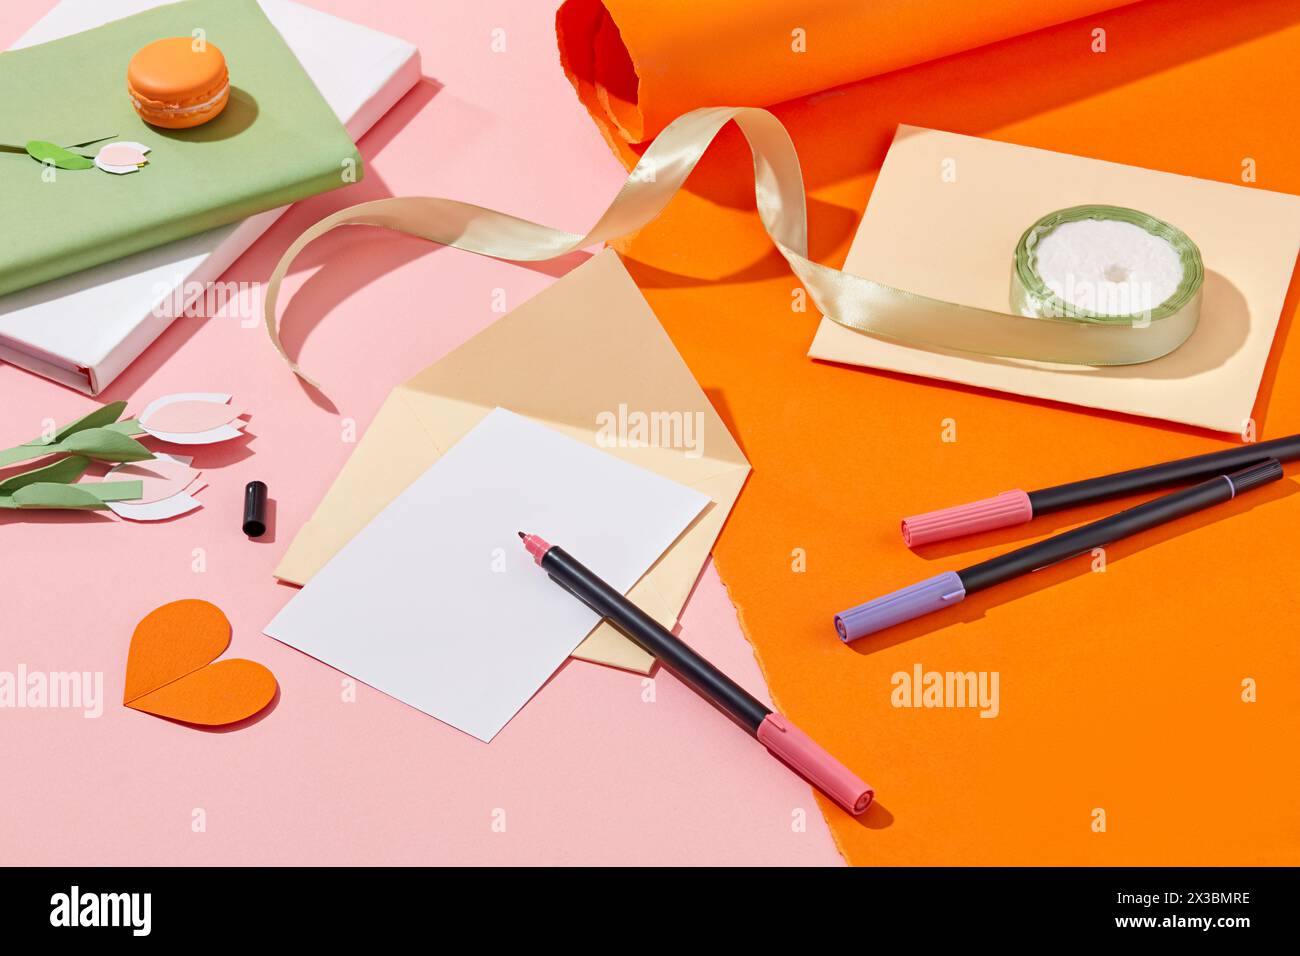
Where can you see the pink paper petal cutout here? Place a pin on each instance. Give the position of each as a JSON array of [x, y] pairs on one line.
[[160, 478], [120, 154], [184, 418]]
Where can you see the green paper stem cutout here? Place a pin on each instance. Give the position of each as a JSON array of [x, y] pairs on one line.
[[129, 427], [91, 142], [65, 471]]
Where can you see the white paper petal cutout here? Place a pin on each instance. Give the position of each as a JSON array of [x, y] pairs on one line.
[[223, 433], [192, 418], [179, 503], [207, 437]]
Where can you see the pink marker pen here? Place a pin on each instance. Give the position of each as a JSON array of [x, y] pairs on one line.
[[783, 739], [1017, 507]]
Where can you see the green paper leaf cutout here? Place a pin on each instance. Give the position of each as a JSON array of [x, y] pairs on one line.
[[65, 471], [46, 152], [104, 444], [47, 494], [100, 417], [103, 417]]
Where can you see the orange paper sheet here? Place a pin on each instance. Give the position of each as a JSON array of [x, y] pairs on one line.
[[1147, 714]]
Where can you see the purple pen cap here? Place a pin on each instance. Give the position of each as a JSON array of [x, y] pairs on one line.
[[930, 595]]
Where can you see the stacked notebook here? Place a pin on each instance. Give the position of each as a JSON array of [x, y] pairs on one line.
[[83, 328]]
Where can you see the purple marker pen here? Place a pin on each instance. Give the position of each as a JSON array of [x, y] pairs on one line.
[[951, 587]]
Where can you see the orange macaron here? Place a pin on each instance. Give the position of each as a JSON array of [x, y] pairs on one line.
[[178, 82]]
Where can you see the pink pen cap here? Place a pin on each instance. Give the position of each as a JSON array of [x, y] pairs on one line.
[[1000, 511], [806, 757]]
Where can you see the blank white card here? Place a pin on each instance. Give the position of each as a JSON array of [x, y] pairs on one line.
[[436, 603]]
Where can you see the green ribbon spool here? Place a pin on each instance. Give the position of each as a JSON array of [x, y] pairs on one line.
[[1179, 312]]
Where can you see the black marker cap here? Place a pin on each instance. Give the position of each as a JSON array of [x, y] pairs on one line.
[[255, 509], [1270, 469]]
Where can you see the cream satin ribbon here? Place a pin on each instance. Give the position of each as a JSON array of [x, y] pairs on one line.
[[850, 300]]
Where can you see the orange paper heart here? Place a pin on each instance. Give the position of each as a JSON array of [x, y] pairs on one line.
[[170, 670]]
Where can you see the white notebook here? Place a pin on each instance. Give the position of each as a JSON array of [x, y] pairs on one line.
[[83, 330]]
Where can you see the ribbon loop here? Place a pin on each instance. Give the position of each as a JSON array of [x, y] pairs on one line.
[[853, 301]]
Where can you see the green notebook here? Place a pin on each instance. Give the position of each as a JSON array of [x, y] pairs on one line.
[[277, 141]]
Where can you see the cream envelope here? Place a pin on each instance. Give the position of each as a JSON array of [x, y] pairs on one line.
[[944, 219], [581, 357]]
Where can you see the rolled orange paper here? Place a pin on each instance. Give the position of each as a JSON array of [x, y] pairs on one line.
[[636, 66]]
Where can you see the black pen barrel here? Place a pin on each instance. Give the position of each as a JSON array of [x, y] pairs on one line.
[[1165, 475], [1131, 521], [645, 631]]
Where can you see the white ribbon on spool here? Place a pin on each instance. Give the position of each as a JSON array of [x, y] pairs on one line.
[[1109, 265]]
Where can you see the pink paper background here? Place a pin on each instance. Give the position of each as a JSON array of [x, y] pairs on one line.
[[589, 772]]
